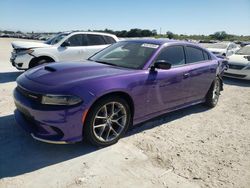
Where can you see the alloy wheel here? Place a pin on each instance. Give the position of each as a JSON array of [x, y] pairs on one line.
[[109, 121], [216, 91]]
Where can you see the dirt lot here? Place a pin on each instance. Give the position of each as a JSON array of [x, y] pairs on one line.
[[193, 147]]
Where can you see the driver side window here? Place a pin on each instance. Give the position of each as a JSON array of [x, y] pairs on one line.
[[173, 55], [76, 40]]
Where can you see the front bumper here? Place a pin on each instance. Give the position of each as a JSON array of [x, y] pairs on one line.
[[21, 62], [236, 73], [51, 124]]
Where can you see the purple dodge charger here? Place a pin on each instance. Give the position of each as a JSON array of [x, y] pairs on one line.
[[125, 84]]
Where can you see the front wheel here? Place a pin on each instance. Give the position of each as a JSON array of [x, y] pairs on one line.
[[37, 62], [213, 94], [107, 121]]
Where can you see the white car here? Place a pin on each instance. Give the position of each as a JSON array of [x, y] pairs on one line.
[[221, 48], [239, 64], [70, 46]]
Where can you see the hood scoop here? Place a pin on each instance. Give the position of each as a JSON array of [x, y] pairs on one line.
[[50, 69]]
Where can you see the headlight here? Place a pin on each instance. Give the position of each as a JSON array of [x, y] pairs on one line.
[[22, 52], [60, 100]]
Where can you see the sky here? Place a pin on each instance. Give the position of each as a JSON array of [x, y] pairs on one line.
[[178, 16]]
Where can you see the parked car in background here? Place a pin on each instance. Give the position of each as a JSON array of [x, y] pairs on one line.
[[239, 64], [127, 83], [69, 46], [221, 48], [242, 44]]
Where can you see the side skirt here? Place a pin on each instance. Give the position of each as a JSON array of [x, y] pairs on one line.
[[155, 114]]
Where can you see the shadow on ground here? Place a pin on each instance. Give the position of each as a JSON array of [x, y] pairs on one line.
[[9, 76], [21, 154], [236, 82], [166, 118]]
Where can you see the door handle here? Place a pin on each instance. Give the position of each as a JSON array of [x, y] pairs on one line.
[[186, 75]]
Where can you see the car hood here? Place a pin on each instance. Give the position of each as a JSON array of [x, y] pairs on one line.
[[28, 45], [64, 73], [239, 59]]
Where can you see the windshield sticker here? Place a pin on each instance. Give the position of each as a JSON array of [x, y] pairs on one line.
[[150, 45]]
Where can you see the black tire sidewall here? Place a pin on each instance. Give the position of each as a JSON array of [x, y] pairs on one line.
[[209, 98], [88, 133], [38, 62]]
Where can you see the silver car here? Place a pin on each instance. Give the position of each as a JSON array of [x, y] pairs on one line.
[[239, 64]]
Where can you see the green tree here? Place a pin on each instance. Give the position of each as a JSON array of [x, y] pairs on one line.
[[219, 35], [170, 35], [154, 32]]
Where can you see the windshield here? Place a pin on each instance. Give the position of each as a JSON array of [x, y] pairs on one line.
[[244, 51], [56, 39], [214, 45], [128, 54]]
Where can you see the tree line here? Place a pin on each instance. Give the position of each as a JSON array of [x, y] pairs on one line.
[[220, 35]]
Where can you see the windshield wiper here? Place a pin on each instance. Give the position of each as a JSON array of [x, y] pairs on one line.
[[106, 63]]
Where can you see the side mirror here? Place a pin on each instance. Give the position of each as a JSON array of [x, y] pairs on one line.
[[65, 44], [161, 64]]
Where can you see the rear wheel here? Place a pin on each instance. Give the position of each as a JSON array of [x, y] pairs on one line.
[[213, 94], [107, 121]]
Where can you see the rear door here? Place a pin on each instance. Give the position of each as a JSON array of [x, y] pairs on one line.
[[202, 71]]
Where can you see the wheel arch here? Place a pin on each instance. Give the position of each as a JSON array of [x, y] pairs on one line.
[[122, 94], [36, 59]]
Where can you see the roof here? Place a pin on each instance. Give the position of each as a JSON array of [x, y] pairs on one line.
[[87, 32], [159, 41]]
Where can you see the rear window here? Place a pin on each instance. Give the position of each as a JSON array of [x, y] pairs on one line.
[[206, 55], [95, 40], [194, 54], [109, 40]]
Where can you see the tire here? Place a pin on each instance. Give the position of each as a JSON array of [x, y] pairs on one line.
[[38, 62], [213, 94], [107, 121]]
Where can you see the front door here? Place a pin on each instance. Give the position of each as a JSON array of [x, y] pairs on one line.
[[168, 88], [76, 49]]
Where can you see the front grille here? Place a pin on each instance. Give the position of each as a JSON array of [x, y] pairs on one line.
[[19, 50], [234, 75], [33, 96], [238, 67]]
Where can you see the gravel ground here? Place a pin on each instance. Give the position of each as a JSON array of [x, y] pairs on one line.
[[193, 147]]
